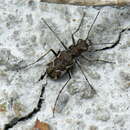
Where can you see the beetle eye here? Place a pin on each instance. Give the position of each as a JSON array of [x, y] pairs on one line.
[[79, 41]]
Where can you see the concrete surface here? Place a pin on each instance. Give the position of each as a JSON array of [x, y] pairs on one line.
[[24, 38]]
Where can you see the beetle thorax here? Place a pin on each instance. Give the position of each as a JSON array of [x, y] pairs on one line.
[[79, 48]]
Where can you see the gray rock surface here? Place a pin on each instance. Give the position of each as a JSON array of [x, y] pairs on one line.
[[24, 38]]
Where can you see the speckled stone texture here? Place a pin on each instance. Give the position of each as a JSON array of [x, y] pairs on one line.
[[90, 2], [24, 38]]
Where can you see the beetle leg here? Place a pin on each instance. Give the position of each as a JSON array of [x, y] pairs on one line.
[[73, 39], [98, 60], [60, 93], [76, 61], [51, 50]]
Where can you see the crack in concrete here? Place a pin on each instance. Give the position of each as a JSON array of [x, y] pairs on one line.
[[116, 43], [14, 121]]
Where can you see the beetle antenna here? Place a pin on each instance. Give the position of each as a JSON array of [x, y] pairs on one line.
[[92, 25]]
